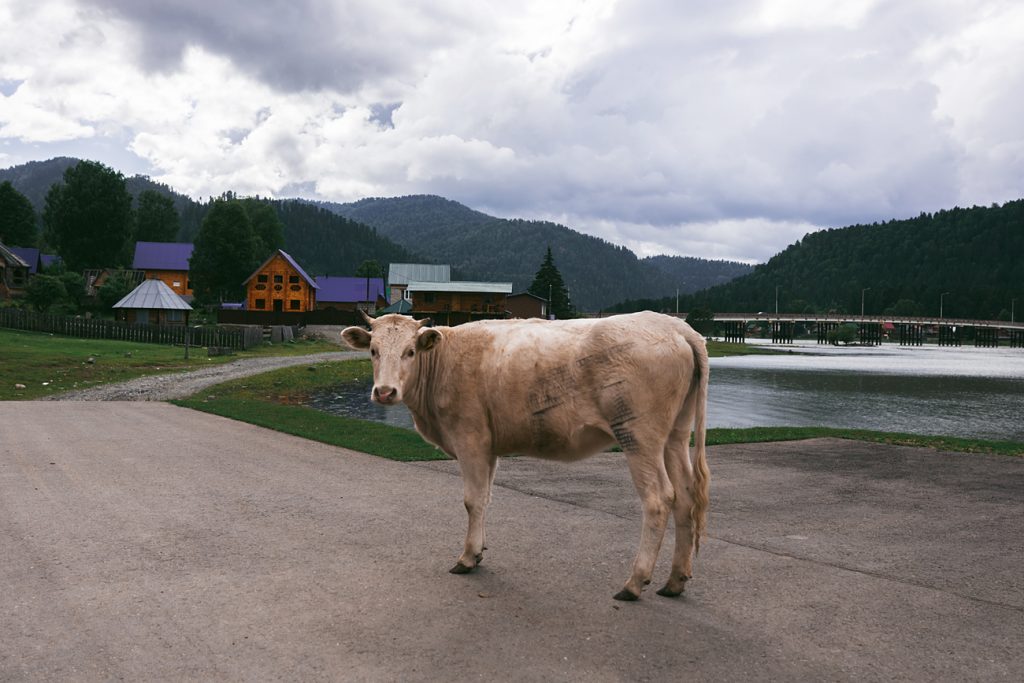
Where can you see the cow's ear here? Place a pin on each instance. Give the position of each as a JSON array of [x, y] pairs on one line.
[[356, 337], [426, 338]]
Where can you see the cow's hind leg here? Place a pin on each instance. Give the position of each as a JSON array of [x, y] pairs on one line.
[[647, 467], [477, 476], [680, 473]]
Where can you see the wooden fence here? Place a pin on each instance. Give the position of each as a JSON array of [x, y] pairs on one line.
[[88, 328]]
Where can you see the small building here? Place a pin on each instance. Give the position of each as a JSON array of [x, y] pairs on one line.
[[350, 293], [526, 305], [14, 273], [280, 285], [459, 297], [167, 262], [401, 274], [31, 256], [152, 303]]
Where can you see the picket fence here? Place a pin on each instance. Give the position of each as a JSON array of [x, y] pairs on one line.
[[89, 328]]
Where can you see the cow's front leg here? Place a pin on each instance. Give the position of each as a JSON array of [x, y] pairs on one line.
[[477, 476]]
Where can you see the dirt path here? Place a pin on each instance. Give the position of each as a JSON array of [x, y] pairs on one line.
[[183, 384]]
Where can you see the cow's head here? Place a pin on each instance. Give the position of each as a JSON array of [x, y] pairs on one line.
[[394, 342]]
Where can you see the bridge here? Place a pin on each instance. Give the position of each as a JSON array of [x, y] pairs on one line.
[[909, 330]]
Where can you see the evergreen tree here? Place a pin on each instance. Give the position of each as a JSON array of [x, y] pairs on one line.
[[267, 228], [224, 254], [17, 218], [548, 285], [88, 219], [156, 218], [369, 268]]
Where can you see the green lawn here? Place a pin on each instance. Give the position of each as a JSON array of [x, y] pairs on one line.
[[274, 400], [50, 364]]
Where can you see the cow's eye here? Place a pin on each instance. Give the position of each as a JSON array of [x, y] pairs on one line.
[[410, 353], [373, 352]]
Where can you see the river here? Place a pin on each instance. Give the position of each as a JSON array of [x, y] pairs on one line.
[[967, 392]]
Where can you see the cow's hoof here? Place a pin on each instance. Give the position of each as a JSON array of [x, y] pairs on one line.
[[460, 568], [667, 592], [626, 595]]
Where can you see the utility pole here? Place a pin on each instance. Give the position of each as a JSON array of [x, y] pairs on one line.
[[941, 297], [776, 300], [862, 300], [677, 301], [1013, 304]]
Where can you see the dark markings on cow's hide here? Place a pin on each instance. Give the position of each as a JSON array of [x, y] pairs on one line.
[[603, 356], [550, 390], [621, 413]]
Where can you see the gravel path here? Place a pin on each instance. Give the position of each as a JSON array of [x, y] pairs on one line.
[[183, 384]]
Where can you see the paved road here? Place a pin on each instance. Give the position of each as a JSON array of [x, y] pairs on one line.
[[147, 542]]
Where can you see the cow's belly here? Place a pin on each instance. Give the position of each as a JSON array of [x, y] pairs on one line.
[[554, 435]]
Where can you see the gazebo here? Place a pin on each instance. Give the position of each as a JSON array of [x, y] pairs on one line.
[[153, 302]]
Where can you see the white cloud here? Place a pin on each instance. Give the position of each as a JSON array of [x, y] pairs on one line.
[[724, 129]]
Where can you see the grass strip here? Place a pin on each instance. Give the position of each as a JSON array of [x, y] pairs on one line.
[[274, 400], [49, 364]]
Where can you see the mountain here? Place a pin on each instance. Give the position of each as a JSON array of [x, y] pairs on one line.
[[482, 247], [971, 261]]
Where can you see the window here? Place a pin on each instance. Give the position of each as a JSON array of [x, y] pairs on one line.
[[260, 303], [175, 316], [261, 278], [260, 287], [293, 279], [279, 278], [294, 304], [295, 288], [176, 283]]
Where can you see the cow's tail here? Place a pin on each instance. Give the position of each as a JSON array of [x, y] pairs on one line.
[[701, 473]]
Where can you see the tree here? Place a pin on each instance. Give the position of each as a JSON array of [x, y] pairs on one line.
[[224, 254], [156, 219], [548, 285], [45, 291], [702, 320], [369, 268], [267, 228], [116, 287], [88, 219], [17, 218]]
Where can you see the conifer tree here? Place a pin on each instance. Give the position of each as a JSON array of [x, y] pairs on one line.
[[548, 285]]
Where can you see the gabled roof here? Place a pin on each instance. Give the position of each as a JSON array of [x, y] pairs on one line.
[[404, 273], [290, 261], [10, 259], [522, 294], [153, 294], [400, 306], [462, 287], [29, 255], [348, 289], [49, 260], [162, 255]]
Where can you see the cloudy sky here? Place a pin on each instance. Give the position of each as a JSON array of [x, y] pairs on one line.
[[713, 128]]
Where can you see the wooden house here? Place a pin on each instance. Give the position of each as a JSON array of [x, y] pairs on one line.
[[280, 285], [350, 293], [459, 297], [401, 274], [14, 272], [526, 305], [167, 262]]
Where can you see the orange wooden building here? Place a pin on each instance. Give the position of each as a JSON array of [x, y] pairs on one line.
[[281, 285], [167, 262]]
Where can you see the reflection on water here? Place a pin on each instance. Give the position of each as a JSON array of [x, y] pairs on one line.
[[924, 390]]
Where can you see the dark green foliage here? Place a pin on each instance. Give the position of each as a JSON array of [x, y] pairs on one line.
[[369, 268], [88, 218], [548, 285], [17, 218], [701, 320], [843, 334], [44, 292], [328, 244], [156, 218], [116, 287], [976, 255], [481, 247], [224, 254], [267, 229]]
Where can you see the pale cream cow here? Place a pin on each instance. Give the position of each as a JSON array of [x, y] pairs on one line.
[[561, 390]]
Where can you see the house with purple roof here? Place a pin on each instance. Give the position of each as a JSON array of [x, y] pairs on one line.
[[350, 293], [167, 262], [280, 285], [36, 260]]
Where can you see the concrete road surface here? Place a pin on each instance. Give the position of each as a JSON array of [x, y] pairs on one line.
[[142, 541]]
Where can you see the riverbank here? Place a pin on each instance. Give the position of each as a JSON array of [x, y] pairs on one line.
[[276, 400]]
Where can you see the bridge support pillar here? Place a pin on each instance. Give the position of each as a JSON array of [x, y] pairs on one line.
[[986, 337], [1017, 339], [782, 332], [911, 334], [870, 334], [736, 331], [949, 335], [823, 329]]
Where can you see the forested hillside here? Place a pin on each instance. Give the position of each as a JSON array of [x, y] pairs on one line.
[[905, 266], [597, 273]]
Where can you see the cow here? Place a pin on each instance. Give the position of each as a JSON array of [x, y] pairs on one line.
[[560, 390]]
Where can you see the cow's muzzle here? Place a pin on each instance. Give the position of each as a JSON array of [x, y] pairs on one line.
[[385, 395]]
